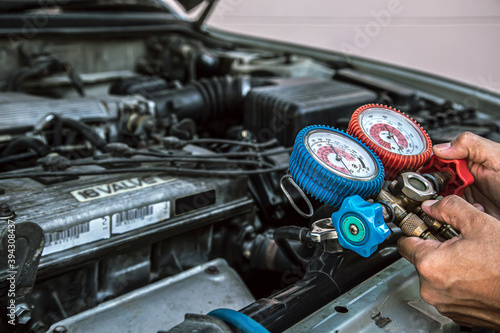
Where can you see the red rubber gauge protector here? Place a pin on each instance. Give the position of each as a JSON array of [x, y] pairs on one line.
[[399, 141]]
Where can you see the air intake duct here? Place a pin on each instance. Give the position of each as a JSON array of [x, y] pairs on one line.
[[206, 99]]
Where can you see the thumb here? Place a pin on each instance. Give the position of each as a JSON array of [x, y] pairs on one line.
[[457, 212], [467, 145], [414, 249]]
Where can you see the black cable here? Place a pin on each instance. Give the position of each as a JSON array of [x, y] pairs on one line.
[[176, 170], [24, 143], [88, 133], [281, 237], [235, 142], [75, 79], [43, 65], [18, 77], [193, 159], [220, 155], [18, 157]]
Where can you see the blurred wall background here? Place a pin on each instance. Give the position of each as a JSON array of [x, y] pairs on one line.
[[458, 39]]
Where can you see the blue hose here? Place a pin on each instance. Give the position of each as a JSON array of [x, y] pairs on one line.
[[238, 320]]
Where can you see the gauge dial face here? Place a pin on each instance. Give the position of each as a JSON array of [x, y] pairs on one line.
[[393, 131], [341, 154]]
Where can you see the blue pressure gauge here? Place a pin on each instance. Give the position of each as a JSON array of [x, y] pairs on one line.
[[331, 165]]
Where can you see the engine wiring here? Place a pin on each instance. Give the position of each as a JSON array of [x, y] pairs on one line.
[[59, 164], [176, 159], [266, 144], [176, 170], [221, 155]]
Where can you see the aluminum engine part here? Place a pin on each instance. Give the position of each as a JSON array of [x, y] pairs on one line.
[[108, 235], [99, 213], [21, 112], [163, 304], [387, 302]]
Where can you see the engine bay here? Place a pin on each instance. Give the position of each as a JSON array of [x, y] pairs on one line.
[[144, 177]]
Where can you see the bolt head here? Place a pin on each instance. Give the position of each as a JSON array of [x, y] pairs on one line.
[[353, 229], [23, 314], [5, 209], [60, 329]]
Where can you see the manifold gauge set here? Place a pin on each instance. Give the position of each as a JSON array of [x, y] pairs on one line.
[[379, 172]]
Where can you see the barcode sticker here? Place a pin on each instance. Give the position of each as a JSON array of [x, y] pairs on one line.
[[80, 234], [139, 217]]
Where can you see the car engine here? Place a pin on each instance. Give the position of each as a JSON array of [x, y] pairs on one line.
[[145, 176]]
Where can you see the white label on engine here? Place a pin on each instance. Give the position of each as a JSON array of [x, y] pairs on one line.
[[77, 235], [118, 187], [136, 218]]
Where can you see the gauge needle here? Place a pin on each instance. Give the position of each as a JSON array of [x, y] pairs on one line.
[[391, 135], [339, 158]]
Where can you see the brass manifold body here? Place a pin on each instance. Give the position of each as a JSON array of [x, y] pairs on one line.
[[401, 205]]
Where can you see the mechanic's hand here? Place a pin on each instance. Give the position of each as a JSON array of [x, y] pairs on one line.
[[483, 157], [461, 276]]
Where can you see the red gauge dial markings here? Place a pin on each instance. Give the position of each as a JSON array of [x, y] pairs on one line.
[[328, 154], [388, 137]]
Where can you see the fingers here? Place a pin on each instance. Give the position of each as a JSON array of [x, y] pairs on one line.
[[467, 145], [455, 211], [414, 249]]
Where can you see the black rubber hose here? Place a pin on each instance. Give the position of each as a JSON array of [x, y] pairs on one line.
[[288, 306], [206, 99], [328, 276], [283, 234], [23, 144], [265, 255], [84, 130]]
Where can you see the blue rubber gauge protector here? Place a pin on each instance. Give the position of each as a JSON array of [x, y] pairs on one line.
[[331, 165]]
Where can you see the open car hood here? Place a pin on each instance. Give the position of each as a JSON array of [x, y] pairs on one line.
[[140, 5]]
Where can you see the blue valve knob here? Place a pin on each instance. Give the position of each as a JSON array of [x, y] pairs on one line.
[[360, 225]]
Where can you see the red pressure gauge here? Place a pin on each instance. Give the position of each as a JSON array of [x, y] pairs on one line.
[[399, 142]]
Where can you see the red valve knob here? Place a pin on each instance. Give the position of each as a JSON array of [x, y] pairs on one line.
[[399, 141], [458, 170]]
